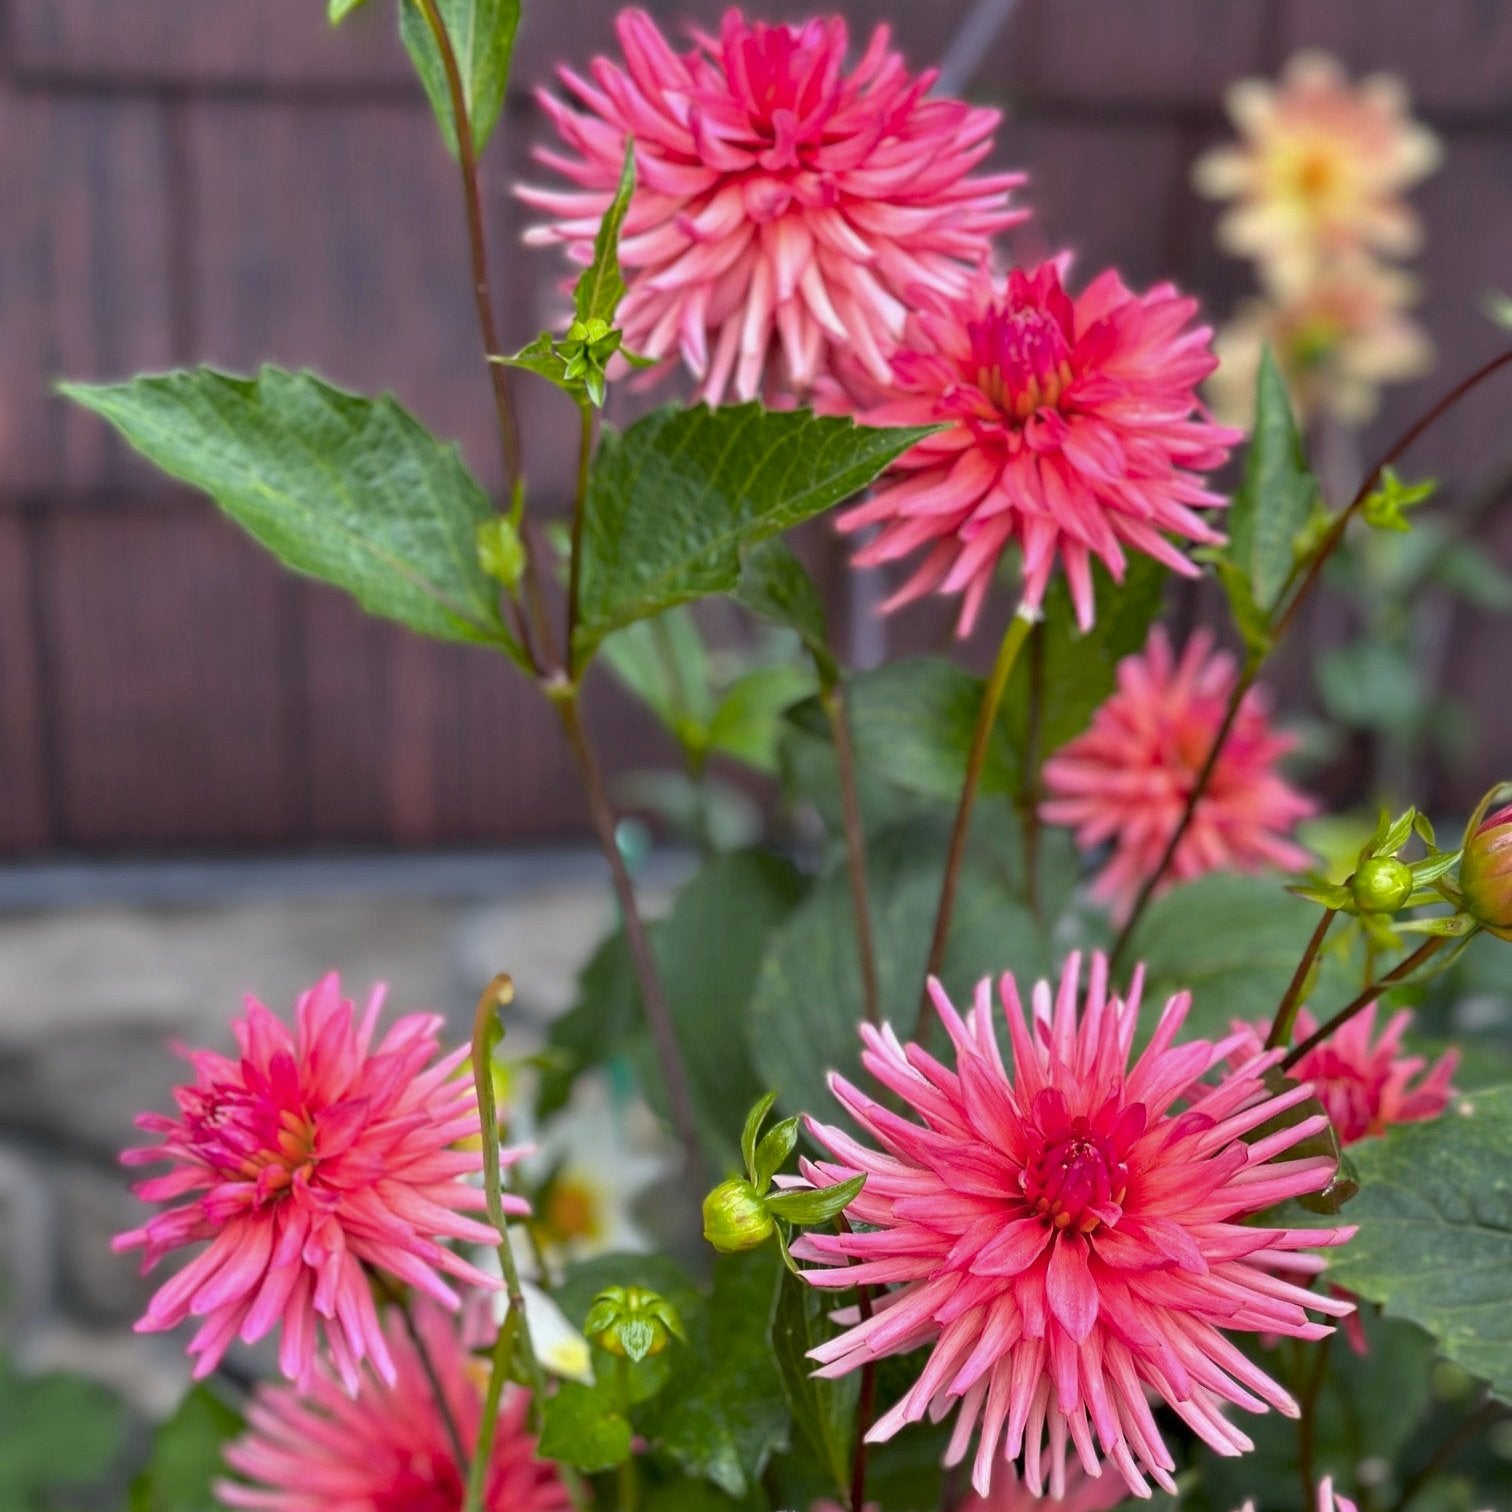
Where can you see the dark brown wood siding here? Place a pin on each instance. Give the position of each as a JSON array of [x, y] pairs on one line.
[[228, 180]]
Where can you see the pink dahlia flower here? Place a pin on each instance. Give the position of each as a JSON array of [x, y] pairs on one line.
[[1127, 778], [783, 206], [1069, 1239], [388, 1449], [1072, 427], [1366, 1083], [307, 1160]]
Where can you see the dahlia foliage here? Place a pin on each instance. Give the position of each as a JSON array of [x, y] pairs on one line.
[[1084, 1242]]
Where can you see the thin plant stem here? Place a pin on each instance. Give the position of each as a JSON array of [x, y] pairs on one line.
[[1489, 1413], [1399, 973], [1307, 1420], [587, 429], [628, 1482], [493, 1394], [658, 1013], [539, 647], [1029, 790], [833, 699], [428, 1366], [1242, 686], [1018, 631], [1309, 580], [498, 994], [1286, 1014]]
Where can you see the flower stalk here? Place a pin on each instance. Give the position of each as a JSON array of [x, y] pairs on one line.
[[1286, 1014], [1019, 629], [832, 697]]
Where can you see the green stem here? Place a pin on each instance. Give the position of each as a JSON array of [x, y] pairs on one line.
[[832, 697], [628, 1477], [1018, 631], [498, 994], [1489, 1413], [587, 427], [1286, 1013], [1029, 788], [866, 1402], [653, 995], [540, 647], [1393, 978]]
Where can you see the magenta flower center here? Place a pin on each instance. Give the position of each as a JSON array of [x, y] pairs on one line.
[[240, 1134], [1020, 359], [1077, 1181], [424, 1483], [789, 84]]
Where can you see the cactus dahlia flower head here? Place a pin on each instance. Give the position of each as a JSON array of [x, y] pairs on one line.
[[388, 1448], [1070, 1238], [1321, 168], [1127, 778], [1367, 1083], [308, 1158], [783, 205], [1072, 429]]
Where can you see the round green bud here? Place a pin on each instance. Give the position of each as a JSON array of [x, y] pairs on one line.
[[1381, 884], [633, 1321], [735, 1217]]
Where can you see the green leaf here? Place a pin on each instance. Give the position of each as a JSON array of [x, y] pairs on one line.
[[751, 1131], [808, 1002], [1233, 942], [824, 1412], [721, 1419], [350, 490], [674, 501], [602, 285], [338, 10], [772, 1153], [186, 1457], [810, 1208], [60, 1432], [747, 724], [774, 584], [585, 1426], [1435, 1232], [664, 662], [482, 35], [1276, 495]]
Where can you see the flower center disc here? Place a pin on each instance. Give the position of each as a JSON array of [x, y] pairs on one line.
[[1021, 360], [1076, 1181]]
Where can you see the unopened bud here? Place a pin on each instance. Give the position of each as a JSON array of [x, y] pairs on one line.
[[1381, 884], [501, 552], [633, 1322], [1485, 873], [735, 1218]]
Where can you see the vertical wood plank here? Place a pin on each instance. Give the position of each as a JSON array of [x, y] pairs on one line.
[[24, 818]]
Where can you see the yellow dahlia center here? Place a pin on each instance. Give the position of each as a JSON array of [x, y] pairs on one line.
[[1021, 359], [573, 1210]]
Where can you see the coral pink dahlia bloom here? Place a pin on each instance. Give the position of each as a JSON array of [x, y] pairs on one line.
[[309, 1158], [1367, 1083], [782, 205], [388, 1448], [1072, 427], [1069, 1237], [1127, 778]]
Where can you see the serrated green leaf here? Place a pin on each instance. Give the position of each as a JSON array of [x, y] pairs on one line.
[[602, 285], [808, 1001], [585, 1426], [1435, 1231], [187, 1456], [824, 1412], [721, 1419], [1276, 495], [774, 584], [347, 489], [748, 721], [1233, 942], [676, 499], [482, 35], [819, 1206], [542, 358]]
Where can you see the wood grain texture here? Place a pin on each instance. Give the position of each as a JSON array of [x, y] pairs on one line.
[[84, 279], [24, 817]]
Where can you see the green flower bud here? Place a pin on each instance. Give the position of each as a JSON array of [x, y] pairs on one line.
[[1381, 884], [1485, 875], [633, 1322], [735, 1218], [501, 552]]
